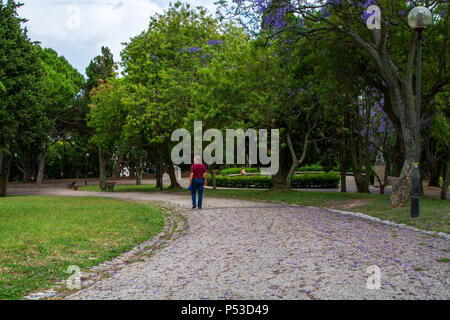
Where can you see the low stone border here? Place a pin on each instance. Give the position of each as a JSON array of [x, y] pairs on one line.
[[175, 226], [386, 222]]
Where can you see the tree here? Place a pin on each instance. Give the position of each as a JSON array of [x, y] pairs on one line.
[[100, 68], [107, 118], [159, 66], [394, 66], [60, 84], [22, 117]]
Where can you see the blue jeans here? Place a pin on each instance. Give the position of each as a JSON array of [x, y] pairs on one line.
[[197, 184]]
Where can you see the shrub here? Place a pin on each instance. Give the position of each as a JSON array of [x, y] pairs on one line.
[[312, 167], [315, 180], [229, 171]]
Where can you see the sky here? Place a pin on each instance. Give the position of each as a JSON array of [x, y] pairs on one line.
[[77, 29]]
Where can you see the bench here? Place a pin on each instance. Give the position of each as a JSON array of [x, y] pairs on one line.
[[72, 185], [109, 187]]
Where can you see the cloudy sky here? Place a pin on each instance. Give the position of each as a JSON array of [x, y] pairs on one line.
[[77, 29]]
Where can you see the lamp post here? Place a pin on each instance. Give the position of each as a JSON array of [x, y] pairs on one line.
[[163, 138], [86, 168], [418, 19]]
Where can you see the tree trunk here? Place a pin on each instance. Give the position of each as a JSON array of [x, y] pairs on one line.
[[343, 171], [446, 182], [173, 177], [279, 180], [158, 177], [402, 190], [5, 167], [295, 161], [102, 171], [139, 169], [117, 167], [40, 175], [360, 180], [213, 177], [434, 163]]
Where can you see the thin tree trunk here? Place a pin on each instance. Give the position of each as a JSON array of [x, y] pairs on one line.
[[295, 161], [360, 179], [5, 167], [213, 177], [343, 171], [102, 171], [139, 169], [40, 175], [446, 182], [366, 148]]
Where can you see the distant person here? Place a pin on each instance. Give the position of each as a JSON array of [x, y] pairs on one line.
[[243, 173], [198, 179]]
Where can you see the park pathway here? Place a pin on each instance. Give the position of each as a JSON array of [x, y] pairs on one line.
[[236, 249]]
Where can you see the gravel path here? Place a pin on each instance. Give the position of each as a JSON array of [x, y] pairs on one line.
[[237, 249]]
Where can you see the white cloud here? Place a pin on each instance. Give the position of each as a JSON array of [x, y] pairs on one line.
[[77, 29]]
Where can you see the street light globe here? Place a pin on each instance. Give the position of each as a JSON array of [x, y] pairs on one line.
[[419, 18], [87, 155]]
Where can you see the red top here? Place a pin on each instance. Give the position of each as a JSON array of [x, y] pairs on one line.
[[198, 169]]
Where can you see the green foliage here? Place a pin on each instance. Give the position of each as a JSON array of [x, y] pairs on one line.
[[60, 84], [229, 171], [312, 167], [160, 64], [107, 115], [316, 180], [21, 110], [101, 67]]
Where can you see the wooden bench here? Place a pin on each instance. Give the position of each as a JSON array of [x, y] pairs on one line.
[[72, 185], [109, 187]]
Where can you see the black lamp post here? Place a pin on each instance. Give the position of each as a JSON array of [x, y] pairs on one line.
[[163, 138], [419, 18], [86, 168]]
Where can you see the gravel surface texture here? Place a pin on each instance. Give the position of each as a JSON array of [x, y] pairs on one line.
[[234, 249]]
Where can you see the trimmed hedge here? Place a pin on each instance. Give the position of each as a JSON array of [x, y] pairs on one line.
[[308, 180], [229, 171], [316, 180]]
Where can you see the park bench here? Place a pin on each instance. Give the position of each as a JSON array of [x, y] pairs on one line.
[[72, 185], [109, 187]]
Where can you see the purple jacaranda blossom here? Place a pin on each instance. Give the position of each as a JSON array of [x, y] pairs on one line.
[[215, 42], [191, 49]]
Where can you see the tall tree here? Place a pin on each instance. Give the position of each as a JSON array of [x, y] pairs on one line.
[[159, 66], [99, 69], [22, 117], [391, 48]]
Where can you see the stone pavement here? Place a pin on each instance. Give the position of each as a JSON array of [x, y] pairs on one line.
[[236, 249]]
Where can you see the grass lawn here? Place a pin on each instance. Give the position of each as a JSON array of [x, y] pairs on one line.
[[434, 214], [41, 236]]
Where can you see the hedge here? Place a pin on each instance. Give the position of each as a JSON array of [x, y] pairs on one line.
[[229, 171], [314, 180]]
